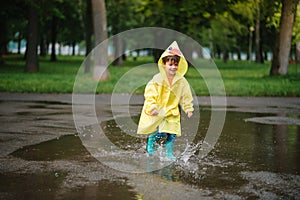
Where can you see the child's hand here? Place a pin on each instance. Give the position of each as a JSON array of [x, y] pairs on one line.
[[154, 112], [189, 114]]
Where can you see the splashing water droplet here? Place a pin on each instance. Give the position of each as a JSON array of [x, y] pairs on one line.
[[189, 151]]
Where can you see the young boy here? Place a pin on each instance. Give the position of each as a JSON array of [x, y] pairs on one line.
[[164, 94]]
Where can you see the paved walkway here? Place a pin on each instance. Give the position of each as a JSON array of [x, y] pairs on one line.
[[292, 102], [32, 118]]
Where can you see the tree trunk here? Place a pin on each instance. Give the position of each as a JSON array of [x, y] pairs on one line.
[[239, 54], [298, 42], [258, 54], [298, 52], [19, 43], [100, 72], [225, 55], [53, 38], [265, 54], [43, 45], [88, 35], [249, 57], [118, 51], [218, 53], [73, 48], [59, 50], [3, 36], [284, 38], [32, 64], [211, 43], [239, 50], [124, 57]]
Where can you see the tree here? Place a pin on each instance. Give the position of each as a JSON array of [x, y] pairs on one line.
[[225, 31], [3, 36], [32, 64], [250, 13], [53, 38], [284, 38], [122, 15], [88, 22], [13, 24], [118, 17], [64, 13], [297, 34], [221, 26], [258, 13], [100, 72], [72, 23]]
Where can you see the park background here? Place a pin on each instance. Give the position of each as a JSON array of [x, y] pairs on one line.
[[43, 46], [255, 44]]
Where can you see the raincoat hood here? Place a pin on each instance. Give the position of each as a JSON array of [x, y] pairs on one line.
[[173, 49]]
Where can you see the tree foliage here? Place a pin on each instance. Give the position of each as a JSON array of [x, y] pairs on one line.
[[221, 25]]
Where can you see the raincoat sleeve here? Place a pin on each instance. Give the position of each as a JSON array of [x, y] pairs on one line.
[[186, 100], [151, 96]]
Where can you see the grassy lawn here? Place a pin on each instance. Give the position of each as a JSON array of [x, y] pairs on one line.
[[240, 77]]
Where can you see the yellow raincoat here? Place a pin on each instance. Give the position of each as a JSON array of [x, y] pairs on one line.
[[160, 95]]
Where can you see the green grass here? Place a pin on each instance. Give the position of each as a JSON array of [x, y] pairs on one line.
[[240, 78], [244, 79]]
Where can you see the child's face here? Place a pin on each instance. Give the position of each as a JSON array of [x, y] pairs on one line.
[[171, 68]]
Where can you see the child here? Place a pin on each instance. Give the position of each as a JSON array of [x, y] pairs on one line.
[[164, 94]]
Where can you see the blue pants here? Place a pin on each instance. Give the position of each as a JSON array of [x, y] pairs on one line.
[[155, 137], [170, 137]]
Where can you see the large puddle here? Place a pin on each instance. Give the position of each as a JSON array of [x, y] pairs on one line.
[[47, 186], [67, 147], [250, 160]]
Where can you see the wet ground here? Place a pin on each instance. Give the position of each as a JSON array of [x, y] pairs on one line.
[[42, 157]]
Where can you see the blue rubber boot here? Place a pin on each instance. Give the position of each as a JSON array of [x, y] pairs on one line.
[[150, 148], [169, 146]]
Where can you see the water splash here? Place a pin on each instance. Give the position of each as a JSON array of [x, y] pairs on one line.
[[189, 151]]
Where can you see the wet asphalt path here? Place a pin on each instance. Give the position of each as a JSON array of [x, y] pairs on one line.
[[32, 119]]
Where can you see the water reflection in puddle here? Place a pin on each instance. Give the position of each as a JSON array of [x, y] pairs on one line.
[[47, 186], [249, 160], [29, 186], [104, 189], [273, 148], [67, 147], [245, 155]]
